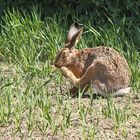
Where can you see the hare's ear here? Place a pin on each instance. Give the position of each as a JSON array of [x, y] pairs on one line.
[[74, 35]]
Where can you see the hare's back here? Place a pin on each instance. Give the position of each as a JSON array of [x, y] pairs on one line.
[[110, 56], [102, 51], [112, 60]]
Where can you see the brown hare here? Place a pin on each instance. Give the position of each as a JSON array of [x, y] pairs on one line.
[[106, 70]]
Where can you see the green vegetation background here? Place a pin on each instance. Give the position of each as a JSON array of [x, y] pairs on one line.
[[32, 93], [32, 31], [116, 10]]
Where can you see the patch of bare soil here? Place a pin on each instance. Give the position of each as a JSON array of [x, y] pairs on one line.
[[89, 118], [104, 127]]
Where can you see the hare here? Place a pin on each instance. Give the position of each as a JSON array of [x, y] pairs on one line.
[[105, 69]]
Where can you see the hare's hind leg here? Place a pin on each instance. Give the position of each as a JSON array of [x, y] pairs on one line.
[[99, 88]]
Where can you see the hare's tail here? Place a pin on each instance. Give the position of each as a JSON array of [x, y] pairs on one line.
[[122, 92]]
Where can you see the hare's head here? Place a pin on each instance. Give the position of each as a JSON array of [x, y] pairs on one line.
[[67, 55]]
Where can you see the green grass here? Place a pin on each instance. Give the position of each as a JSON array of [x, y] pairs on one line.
[[33, 102]]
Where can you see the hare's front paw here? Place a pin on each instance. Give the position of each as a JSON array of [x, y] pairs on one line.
[[64, 71], [70, 76]]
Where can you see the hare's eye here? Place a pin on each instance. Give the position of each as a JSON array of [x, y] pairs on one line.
[[64, 54]]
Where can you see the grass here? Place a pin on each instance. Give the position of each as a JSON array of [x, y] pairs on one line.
[[33, 103]]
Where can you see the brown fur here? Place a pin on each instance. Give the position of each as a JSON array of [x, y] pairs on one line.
[[109, 69]]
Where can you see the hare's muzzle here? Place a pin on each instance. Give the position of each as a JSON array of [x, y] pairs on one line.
[[54, 63]]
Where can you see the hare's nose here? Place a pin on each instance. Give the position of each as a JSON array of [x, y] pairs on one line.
[[54, 64]]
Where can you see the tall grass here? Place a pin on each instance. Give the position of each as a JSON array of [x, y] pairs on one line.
[[26, 39], [32, 93]]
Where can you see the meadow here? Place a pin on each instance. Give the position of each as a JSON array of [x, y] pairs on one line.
[[34, 98]]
